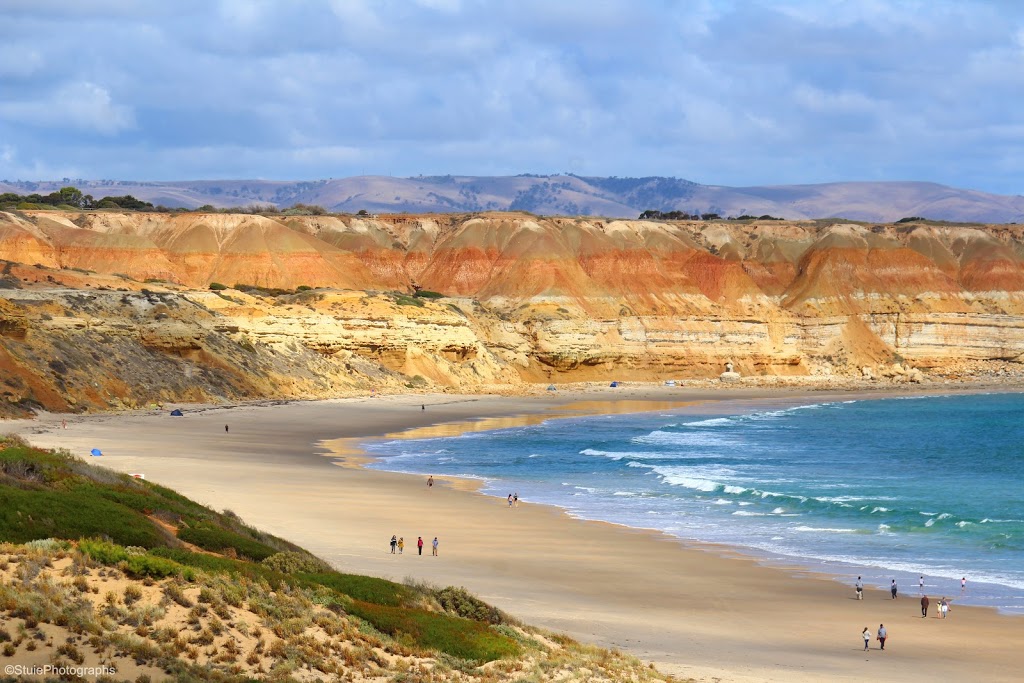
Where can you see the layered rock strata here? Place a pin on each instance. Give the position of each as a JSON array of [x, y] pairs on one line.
[[122, 302]]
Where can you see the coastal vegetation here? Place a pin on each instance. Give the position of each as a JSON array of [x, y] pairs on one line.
[[102, 569]]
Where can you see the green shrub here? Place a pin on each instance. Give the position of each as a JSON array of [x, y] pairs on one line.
[[212, 538], [216, 286], [149, 565], [461, 602], [365, 588], [457, 637], [290, 562], [427, 294], [303, 288], [103, 552]]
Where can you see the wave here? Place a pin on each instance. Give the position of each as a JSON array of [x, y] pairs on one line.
[[830, 530], [685, 439], [645, 455]]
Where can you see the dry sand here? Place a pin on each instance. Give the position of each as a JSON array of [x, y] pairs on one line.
[[695, 611]]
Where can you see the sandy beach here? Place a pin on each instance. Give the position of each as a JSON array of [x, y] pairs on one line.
[[694, 611]]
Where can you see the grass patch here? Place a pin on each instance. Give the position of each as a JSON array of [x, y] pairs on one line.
[[364, 588], [462, 638], [209, 537]]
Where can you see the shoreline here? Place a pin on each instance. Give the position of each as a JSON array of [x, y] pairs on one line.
[[351, 452], [695, 609]]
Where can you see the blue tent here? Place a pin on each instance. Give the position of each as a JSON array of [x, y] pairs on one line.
[[614, 384], [177, 412], [96, 451]]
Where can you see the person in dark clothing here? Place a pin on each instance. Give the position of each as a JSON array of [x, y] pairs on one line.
[[225, 429], [882, 635], [419, 544], [892, 589], [924, 605], [394, 544]]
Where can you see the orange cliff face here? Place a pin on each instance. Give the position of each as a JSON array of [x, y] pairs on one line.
[[525, 298]]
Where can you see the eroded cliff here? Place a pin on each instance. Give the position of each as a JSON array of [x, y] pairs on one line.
[[100, 309]]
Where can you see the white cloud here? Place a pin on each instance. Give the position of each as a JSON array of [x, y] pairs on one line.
[[82, 105], [759, 91]]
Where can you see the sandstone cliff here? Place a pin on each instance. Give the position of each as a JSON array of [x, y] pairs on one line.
[[100, 309]]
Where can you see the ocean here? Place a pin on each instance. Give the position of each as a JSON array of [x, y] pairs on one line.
[[882, 488]]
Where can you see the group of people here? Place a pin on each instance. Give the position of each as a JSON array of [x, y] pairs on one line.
[[894, 590], [941, 610], [513, 499], [398, 544], [882, 635]]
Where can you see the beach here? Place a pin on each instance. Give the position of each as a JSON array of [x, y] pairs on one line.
[[703, 612]]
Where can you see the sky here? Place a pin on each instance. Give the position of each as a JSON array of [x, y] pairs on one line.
[[757, 92]]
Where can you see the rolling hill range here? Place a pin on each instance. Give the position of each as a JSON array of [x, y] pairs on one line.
[[569, 195]]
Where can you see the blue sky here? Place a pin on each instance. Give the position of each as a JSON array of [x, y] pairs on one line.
[[733, 93]]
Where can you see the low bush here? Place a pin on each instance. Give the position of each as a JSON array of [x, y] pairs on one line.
[[215, 539], [365, 588], [217, 287], [454, 636], [291, 562], [459, 601]]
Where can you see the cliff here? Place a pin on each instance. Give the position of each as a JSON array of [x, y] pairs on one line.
[[100, 309]]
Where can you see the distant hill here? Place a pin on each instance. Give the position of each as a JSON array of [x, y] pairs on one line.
[[569, 195]]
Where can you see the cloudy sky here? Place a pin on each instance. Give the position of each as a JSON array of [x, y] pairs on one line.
[[722, 92]]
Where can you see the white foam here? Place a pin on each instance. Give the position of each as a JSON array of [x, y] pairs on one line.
[[722, 501], [713, 422], [778, 511], [962, 524], [696, 483], [829, 530], [684, 439], [745, 513], [880, 509], [944, 515], [624, 493]]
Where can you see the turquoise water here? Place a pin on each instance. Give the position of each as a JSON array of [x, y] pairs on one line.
[[889, 488]]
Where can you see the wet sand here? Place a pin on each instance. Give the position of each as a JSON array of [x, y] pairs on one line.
[[695, 611]]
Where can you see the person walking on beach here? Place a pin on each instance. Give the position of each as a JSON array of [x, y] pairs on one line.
[[434, 544], [920, 585], [859, 586], [882, 635], [225, 429], [394, 544], [892, 589], [963, 584], [515, 499], [924, 606], [63, 424], [944, 608], [401, 545], [510, 500], [866, 635], [423, 407], [430, 482], [419, 544]]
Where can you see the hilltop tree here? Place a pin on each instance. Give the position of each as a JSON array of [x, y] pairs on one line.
[[72, 196]]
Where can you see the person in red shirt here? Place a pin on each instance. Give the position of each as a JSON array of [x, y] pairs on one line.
[[419, 544]]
